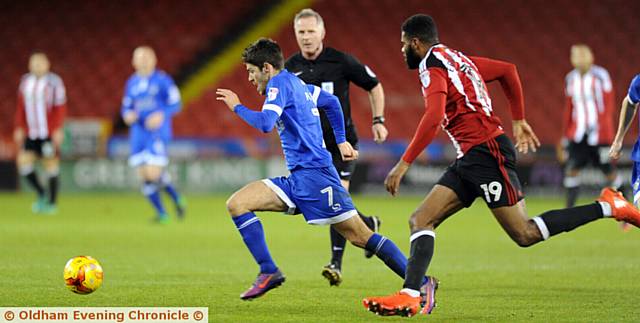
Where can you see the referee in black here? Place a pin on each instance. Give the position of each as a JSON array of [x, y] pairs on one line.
[[332, 70]]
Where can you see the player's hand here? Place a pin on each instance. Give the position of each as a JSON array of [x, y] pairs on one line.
[[18, 136], [380, 133], [228, 97], [347, 151], [526, 139], [154, 120], [616, 149], [561, 153], [130, 117], [57, 137], [392, 182]]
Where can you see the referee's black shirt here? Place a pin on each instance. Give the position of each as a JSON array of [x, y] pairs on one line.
[[332, 71]]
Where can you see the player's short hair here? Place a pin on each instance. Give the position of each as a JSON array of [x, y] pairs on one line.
[[306, 13], [422, 27], [264, 50]]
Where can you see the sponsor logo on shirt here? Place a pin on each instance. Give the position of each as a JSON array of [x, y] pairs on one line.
[[272, 94], [425, 79]]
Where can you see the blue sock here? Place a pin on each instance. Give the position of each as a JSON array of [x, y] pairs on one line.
[[165, 179], [150, 190], [252, 233], [386, 250]]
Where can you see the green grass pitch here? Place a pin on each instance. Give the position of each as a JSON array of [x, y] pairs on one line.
[[587, 275]]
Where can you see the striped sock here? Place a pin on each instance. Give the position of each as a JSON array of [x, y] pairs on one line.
[[388, 252], [252, 233]]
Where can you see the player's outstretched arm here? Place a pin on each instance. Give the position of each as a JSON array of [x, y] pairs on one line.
[[331, 105], [263, 120], [507, 74], [627, 114], [435, 102]]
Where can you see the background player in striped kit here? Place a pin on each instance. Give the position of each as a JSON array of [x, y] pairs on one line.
[[333, 71], [38, 128], [588, 122]]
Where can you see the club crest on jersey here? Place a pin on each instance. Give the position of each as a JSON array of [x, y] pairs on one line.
[[424, 78], [327, 86], [272, 94]]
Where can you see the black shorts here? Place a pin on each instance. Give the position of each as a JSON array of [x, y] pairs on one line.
[[41, 147], [488, 171], [582, 154], [345, 168]]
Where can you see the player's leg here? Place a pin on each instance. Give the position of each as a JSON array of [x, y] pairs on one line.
[[333, 271], [257, 196], [25, 161], [577, 160], [169, 188], [52, 169], [150, 175], [439, 204]]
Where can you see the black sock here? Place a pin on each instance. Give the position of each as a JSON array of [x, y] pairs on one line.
[[572, 195], [338, 243], [32, 179], [53, 189], [565, 220], [366, 219], [419, 259]]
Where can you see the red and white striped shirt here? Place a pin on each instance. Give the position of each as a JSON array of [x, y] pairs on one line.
[[41, 105], [456, 99], [590, 106]]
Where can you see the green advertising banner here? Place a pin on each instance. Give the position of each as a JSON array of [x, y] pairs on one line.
[[220, 175]]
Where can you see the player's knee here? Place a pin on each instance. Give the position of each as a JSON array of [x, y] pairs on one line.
[[417, 222], [235, 206]]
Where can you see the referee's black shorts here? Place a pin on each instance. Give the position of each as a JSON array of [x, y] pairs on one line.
[[487, 171]]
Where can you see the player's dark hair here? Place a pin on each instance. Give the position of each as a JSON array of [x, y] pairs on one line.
[[422, 27], [264, 50]]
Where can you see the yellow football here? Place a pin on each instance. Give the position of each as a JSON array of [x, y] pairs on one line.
[[83, 274]]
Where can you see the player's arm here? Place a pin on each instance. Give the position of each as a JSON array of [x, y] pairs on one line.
[[362, 76], [507, 74], [128, 113], [263, 120], [627, 114], [58, 113], [331, 105], [435, 97], [20, 121], [173, 101]]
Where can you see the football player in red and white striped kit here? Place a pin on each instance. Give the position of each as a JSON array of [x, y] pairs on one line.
[[588, 122], [38, 128], [456, 99]]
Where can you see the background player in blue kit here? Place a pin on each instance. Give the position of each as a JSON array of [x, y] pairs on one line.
[[150, 100], [313, 188], [627, 113]]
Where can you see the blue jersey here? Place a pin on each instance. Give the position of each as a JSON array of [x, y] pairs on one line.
[[145, 95], [634, 97], [298, 123]]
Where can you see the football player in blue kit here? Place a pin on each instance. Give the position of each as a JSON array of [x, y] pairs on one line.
[[150, 100], [313, 187]]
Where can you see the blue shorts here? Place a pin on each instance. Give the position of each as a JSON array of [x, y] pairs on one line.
[[635, 182], [316, 193], [148, 152]]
